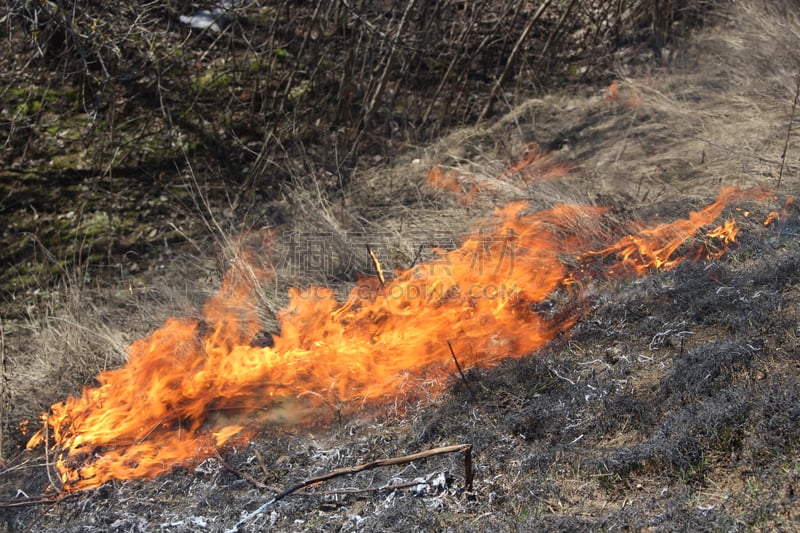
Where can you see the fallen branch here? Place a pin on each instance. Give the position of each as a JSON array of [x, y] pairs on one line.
[[243, 475], [337, 492], [466, 448], [9, 504]]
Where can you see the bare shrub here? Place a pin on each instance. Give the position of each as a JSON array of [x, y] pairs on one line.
[[342, 76]]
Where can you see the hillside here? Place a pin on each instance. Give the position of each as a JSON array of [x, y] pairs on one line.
[[641, 372]]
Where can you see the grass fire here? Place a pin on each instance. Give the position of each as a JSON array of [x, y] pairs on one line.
[[194, 385], [400, 266]]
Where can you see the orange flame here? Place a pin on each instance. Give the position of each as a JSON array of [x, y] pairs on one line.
[[775, 216], [462, 185], [613, 93], [726, 232], [655, 247], [194, 384], [536, 165]]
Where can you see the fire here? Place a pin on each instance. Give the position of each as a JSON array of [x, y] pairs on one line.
[[536, 164], [194, 385], [775, 216], [726, 232], [655, 247]]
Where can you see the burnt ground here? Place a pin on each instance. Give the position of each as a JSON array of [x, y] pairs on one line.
[[672, 404]]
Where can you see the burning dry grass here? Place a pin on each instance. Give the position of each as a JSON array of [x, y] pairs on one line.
[[384, 343], [672, 405]]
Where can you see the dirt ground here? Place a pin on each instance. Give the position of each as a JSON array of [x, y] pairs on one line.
[[673, 403]]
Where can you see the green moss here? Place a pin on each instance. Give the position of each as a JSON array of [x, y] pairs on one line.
[[95, 224], [70, 161], [29, 108], [31, 100], [12, 94], [212, 81], [299, 90]]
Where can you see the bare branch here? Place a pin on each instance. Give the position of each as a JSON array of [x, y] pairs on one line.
[[466, 448]]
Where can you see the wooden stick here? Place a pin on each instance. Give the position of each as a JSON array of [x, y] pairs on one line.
[[788, 133], [243, 475], [468, 475], [466, 448], [458, 366], [377, 265]]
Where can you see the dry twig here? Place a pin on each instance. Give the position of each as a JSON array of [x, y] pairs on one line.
[[458, 366], [261, 463], [788, 132], [47, 454], [243, 475], [466, 448], [512, 58], [37, 501]]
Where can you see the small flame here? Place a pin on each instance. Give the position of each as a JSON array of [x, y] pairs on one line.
[[774, 216], [613, 95], [535, 165], [194, 385], [727, 232], [462, 185], [612, 92]]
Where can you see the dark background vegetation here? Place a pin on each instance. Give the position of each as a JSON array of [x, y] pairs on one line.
[[140, 156], [120, 105]]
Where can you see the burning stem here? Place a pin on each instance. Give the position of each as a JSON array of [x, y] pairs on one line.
[[458, 366], [377, 265], [47, 454]]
